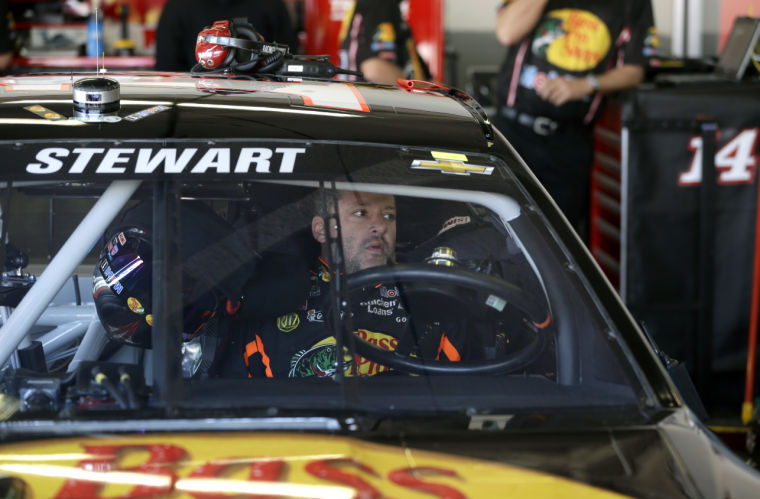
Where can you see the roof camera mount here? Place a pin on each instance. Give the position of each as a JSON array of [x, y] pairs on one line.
[[96, 99]]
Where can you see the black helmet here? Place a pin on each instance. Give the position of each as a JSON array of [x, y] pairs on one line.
[[122, 290]]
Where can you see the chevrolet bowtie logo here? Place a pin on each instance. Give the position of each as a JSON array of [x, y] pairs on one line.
[[451, 167]]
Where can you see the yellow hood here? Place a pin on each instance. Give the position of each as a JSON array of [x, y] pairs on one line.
[[275, 464]]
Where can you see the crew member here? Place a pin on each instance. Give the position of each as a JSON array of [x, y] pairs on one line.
[[563, 57], [377, 41]]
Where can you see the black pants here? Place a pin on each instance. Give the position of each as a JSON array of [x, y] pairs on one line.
[[561, 162]]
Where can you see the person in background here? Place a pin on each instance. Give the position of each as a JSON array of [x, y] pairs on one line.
[[6, 40], [564, 56], [182, 20], [375, 40]]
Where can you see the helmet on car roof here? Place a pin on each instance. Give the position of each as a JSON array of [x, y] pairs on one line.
[[122, 290]]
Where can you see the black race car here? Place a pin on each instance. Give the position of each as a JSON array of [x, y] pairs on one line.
[[220, 286]]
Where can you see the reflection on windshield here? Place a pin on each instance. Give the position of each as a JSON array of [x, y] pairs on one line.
[[384, 289]]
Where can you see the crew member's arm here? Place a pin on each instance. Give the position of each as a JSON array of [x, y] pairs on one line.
[[560, 90], [517, 18], [5, 60], [378, 70]]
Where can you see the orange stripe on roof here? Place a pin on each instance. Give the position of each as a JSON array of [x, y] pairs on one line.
[[362, 103]]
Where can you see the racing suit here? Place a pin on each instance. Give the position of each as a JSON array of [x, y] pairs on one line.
[[301, 343]]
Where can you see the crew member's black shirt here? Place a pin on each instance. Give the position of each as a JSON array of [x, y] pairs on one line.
[[374, 28], [575, 38]]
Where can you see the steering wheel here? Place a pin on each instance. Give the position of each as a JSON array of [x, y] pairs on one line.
[[499, 293]]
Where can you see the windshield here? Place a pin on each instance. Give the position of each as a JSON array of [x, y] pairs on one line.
[[384, 287]]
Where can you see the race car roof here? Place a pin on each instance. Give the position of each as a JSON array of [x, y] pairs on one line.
[[156, 105]]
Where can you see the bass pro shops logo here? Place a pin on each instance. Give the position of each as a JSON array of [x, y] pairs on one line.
[[572, 39], [148, 160]]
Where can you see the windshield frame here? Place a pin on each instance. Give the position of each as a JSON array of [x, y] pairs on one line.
[[495, 202], [168, 379]]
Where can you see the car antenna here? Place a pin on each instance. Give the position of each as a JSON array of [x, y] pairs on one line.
[[97, 42], [97, 99], [100, 58]]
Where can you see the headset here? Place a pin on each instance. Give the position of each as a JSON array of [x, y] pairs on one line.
[[238, 46]]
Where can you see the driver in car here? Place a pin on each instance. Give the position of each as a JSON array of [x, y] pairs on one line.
[[302, 343]]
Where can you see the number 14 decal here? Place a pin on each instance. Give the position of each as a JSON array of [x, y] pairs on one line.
[[735, 160]]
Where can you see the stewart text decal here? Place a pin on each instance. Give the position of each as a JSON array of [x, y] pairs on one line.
[[146, 160]]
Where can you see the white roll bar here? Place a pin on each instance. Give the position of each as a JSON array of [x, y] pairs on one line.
[[92, 345], [64, 264]]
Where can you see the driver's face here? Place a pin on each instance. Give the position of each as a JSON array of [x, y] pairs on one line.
[[368, 226]]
